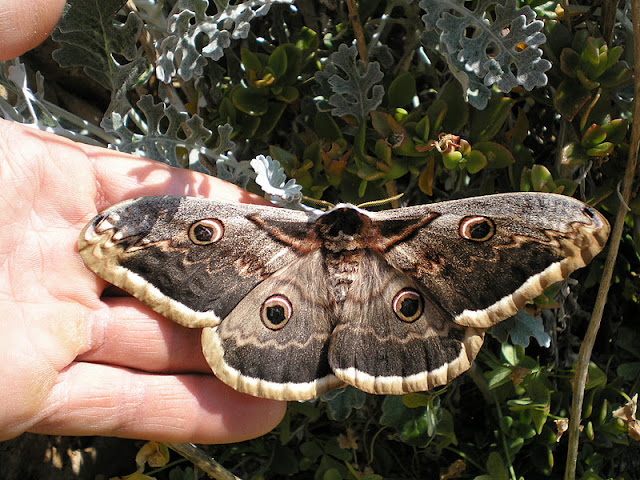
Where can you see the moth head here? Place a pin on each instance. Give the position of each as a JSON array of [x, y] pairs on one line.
[[343, 228], [477, 228], [408, 305], [276, 312]]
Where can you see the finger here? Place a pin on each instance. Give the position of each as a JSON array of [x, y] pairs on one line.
[[105, 176], [121, 177], [94, 399], [128, 334], [25, 24]]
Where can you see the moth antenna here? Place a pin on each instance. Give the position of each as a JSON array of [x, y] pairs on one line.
[[318, 202], [377, 203]]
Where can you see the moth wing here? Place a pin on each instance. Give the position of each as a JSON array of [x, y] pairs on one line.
[[281, 354], [190, 259], [379, 351], [532, 241]]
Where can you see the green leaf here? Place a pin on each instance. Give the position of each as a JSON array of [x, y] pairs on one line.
[[597, 378], [569, 62], [270, 118], [250, 100], [616, 76], [457, 108], [506, 422], [292, 64], [332, 474], [498, 377], [415, 400], [402, 90], [616, 130], [541, 178], [628, 371], [452, 160], [344, 402], [605, 148], [307, 39], [613, 55], [539, 417], [542, 459], [436, 113], [412, 424], [570, 97], [512, 353], [593, 57], [475, 161], [496, 467], [247, 124], [497, 155], [333, 448], [326, 127], [278, 61], [586, 82], [594, 135], [288, 94], [573, 155], [382, 123], [383, 151], [284, 461], [422, 128], [446, 430], [566, 186], [251, 62], [485, 124]]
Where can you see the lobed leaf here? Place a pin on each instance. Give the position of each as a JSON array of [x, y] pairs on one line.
[[91, 39], [159, 142], [351, 83], [180, 54], [502, 51]]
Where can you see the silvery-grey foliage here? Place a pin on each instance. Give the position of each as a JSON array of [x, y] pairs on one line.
[[502, 51], [179, 54], [521, 327], [351, 83], [273, 181], [159, 143]]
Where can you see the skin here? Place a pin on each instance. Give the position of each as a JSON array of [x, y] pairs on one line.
[[72, 360]]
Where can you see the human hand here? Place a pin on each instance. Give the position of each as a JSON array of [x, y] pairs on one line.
[[71, 362]]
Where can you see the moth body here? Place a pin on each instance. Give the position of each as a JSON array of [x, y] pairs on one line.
[[294, 304]]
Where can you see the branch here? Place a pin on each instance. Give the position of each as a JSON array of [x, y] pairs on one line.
[[202, 461], [584, 356], [354, 18]]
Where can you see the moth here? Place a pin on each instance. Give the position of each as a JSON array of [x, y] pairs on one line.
[[293, 304]]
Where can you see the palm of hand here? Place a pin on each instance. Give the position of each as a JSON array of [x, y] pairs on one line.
[[73, 363]]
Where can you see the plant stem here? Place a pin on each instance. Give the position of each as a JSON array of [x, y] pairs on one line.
[[507, 456], [203, 461], [584, 356], [361, 43]]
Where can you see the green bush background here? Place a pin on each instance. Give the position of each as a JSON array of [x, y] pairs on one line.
[[402, 124]]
